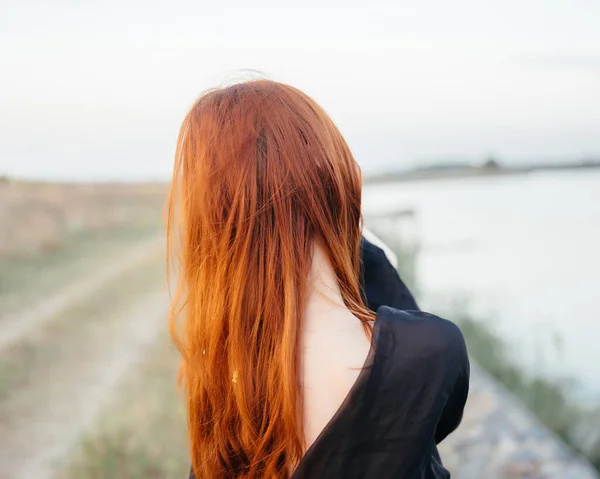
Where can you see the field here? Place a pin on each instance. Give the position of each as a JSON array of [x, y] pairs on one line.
[[87, 371]]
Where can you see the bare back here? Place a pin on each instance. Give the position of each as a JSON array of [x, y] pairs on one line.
[[334, 349]]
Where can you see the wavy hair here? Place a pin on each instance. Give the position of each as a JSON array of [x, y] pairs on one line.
[[261, 175]]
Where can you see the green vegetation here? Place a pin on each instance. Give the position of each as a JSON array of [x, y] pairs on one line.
[[549, 400]]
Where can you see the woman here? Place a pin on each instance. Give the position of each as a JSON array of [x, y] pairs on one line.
[[286, 372]]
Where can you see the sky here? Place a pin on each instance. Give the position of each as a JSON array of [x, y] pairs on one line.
[[98, 90]]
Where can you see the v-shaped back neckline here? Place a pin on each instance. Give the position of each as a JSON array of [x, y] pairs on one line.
[[356, 386], [409, 395]]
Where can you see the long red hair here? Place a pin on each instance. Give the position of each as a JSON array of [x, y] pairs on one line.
[[261, 175]]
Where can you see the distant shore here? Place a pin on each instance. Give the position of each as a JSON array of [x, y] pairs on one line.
[[490, 168]]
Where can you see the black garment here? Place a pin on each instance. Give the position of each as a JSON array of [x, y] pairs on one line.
[[381, 284], [409, 396]]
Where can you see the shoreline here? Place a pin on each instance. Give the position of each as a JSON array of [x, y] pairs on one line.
[[468, 172]]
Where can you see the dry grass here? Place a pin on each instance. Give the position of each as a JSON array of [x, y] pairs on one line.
[[50, 236], [41, 217], [142, 434]]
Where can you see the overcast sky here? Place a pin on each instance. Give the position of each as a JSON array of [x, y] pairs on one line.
[[97, 90]]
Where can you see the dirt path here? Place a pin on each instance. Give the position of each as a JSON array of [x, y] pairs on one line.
[[16, 325], [48, 417]]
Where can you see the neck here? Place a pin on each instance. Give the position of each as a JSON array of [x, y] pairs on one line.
[[323, 290]]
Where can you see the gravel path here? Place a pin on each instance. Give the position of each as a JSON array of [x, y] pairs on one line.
[[16, 325]]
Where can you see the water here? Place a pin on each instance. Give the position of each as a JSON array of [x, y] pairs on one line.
[[521, 253]]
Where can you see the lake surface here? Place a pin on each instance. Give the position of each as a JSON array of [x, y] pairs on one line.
[[521, 252]]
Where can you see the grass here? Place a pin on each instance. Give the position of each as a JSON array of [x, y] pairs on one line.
[[142, 434], [548, 399]]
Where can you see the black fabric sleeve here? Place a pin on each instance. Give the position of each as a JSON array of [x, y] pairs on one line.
[[381, 284], [452, 412], [388, 423]]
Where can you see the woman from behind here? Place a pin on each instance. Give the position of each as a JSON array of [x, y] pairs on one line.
[[285, 371]]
